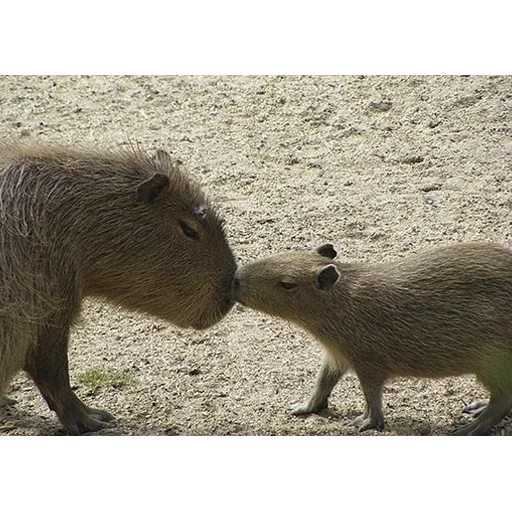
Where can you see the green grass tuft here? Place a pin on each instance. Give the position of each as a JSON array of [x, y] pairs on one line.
[[96, 378]]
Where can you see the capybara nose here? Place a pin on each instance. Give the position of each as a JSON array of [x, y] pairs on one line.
[[236, 287], [228, 289]]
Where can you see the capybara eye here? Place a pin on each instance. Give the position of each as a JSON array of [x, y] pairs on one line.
[[287, 285], [188, 231]]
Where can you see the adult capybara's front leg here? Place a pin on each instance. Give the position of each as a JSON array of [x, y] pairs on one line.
[[47, 364]]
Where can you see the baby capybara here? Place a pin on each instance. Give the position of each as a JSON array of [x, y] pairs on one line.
[[120, 224], [443, 312]]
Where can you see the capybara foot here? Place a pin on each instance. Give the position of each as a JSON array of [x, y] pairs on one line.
[[102, 415], [488, 418], [475, 408], [307, 408], [86, 419], [365, 422], [473, 429], [5, 400]]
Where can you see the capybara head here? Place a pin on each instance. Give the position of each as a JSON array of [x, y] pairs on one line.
[[173, 258], [123, 224], [287, 284]]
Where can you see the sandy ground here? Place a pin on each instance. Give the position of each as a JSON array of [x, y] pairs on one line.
[[380, 166]]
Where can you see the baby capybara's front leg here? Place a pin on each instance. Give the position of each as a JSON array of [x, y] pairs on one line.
[[47, 364], [329, 375]]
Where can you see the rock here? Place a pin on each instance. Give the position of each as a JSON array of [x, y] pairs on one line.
[[380, 106]]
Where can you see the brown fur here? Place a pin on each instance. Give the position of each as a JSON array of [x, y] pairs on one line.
[[444, 312], [119, 224]]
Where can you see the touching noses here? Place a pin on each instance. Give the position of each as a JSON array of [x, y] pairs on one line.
[[236, 287]]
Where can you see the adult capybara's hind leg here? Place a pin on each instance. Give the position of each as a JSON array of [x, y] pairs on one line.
[[47, 364]]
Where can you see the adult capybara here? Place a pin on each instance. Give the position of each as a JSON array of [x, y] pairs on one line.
[[444, 312], [120, 224]]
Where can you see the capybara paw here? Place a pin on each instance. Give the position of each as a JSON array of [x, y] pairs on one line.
[[90, 421], [370, 424], [357, 422], [475, 408], [307, 408], [475, 428], [364, 422], [101, 414]]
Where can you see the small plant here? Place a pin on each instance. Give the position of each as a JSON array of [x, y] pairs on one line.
[[96, 378]]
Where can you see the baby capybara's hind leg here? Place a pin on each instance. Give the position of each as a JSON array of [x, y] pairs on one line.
[[47, 364], [499, 406], [476, 407], [496, 376]]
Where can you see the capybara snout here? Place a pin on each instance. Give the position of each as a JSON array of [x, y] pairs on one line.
[[224, 299], [283, 285], [175, 250]]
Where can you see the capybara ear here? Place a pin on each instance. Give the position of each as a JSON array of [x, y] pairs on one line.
[[327, 250], [149, 191], [327, 277], [162, 159]]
